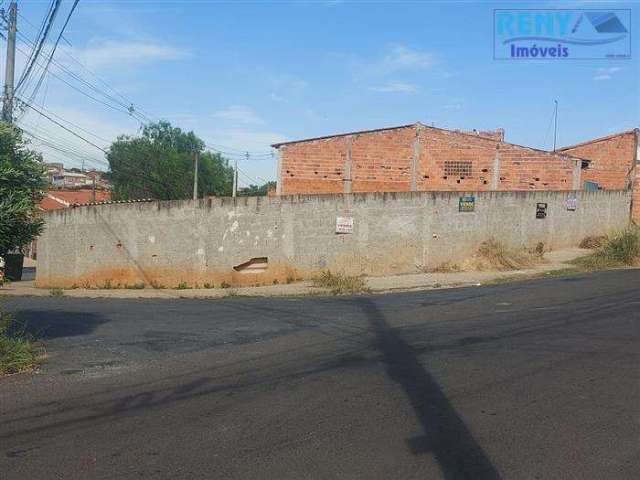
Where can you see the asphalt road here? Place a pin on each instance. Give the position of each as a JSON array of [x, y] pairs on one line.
[[531, 380]]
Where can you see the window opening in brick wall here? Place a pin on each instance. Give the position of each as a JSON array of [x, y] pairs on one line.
[[457, 169]]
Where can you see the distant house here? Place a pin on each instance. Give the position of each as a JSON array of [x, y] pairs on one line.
[[59, 176], [64, 198]]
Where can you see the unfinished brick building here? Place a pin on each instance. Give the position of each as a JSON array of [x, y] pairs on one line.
[[421, 158], [614, 163], [417, 157]]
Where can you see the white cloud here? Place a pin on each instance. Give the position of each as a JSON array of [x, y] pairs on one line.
[[103, 54], [401, 57], [395, 87], [454, 105], [606, 73], [287, 82], [239, 114]]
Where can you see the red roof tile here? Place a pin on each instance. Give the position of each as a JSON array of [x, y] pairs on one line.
[[56, 199]]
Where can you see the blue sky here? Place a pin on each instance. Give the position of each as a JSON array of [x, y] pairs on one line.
[[243, 75]]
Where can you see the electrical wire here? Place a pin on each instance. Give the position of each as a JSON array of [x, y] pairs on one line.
[[82, 91], [32, 59], [111, 101], [60, 125], [53, 50]]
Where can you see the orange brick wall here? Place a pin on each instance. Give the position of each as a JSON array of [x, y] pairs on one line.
[[382, 161], [313, 167], [611, 160], [613, 164]]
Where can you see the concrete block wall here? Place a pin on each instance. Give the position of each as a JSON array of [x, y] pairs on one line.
[[415, 158], [635, 210], [198, 243]]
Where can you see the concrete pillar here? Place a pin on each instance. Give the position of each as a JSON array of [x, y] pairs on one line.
[[577, 174], [415, 160], [496, 170], [278, 171], [347, 166]]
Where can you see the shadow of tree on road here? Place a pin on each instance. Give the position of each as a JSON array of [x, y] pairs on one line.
[[57, 324]]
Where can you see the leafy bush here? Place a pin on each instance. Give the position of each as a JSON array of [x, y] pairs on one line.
[[21, 183]]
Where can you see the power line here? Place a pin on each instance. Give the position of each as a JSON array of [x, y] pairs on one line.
[[53, 50], [61, 125], [75, 125], [40, 43], [122, 107], [82, 91], [61, 141], [58, 148], [129, 109]]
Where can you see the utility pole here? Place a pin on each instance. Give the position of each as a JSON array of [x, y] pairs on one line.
[[7, 105], [235, 178], [195, 175], [555, 126], [93, 192]]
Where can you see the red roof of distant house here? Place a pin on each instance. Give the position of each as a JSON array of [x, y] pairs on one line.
[[57, 199]]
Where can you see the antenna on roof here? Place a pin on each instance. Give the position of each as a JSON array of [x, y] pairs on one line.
[[555, 125]]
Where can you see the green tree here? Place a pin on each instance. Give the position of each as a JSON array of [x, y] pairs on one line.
[[256, 191], [159, 164], [21, 184]]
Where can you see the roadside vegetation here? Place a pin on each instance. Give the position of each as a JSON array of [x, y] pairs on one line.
[[620, 250], [495, 255], [341, 284], [21, 185], [19, 352]]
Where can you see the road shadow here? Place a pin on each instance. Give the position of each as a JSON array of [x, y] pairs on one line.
[[57, 324], [445, 434]]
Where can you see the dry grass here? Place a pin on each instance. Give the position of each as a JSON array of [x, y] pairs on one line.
[[593, 241], [494, 255], [446, 267], [622, 249], [340, 284]]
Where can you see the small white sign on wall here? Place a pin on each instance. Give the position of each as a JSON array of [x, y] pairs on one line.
[[344, 224]]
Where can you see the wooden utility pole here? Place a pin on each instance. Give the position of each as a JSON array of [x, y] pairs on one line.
[[7, 104]]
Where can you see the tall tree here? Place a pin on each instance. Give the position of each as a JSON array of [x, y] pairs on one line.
[[159, 164], [21, 184]]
